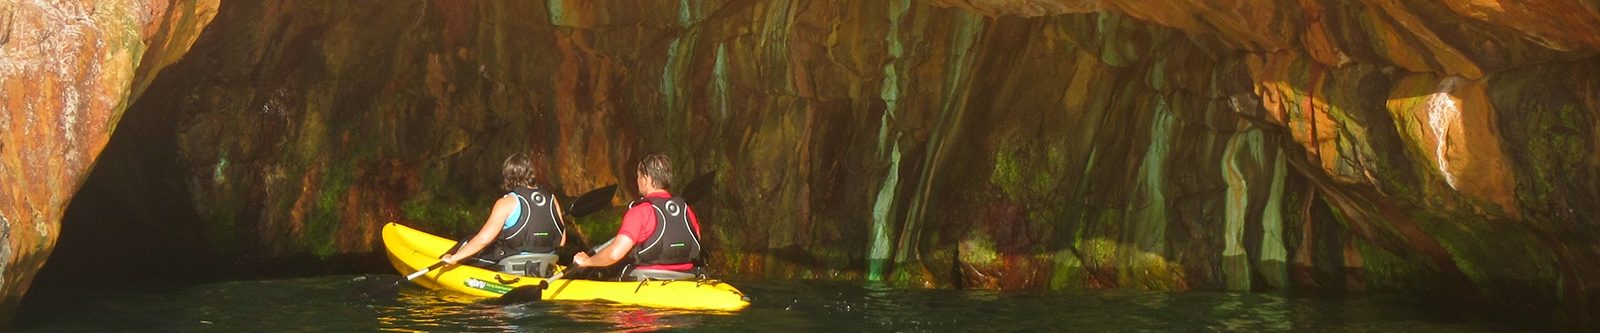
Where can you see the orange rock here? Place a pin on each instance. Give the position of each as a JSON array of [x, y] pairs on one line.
[[68, 70]]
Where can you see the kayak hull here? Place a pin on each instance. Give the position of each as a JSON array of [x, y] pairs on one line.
[[411, 250]]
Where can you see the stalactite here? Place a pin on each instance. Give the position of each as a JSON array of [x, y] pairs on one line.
[[1273, 253], [878, 254], [879, 251], [1243, 148], [966, 32], [1148, 214], [789, 100], [719, 82]]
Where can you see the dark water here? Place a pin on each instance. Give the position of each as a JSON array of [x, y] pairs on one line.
[[331, 304]]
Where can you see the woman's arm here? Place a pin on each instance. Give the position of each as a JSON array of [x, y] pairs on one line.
[[560, 220], [487, 234]]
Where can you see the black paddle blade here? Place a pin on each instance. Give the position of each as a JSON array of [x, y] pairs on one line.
[[591, 202], [523, 294], [374, 287], [700, 188]]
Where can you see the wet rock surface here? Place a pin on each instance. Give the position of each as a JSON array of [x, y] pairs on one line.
[[1343, 146], [68, 70]]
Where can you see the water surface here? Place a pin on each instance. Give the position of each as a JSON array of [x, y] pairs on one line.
[[332, 304]]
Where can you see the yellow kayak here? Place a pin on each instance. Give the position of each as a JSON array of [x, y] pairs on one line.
[[411, 250]]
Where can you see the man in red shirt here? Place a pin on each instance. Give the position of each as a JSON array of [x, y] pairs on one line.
[[659, 232]]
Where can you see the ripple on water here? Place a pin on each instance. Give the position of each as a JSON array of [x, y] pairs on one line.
[[326, 304]]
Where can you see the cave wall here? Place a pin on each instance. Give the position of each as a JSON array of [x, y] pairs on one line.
[[1442, 148], [68, 70]]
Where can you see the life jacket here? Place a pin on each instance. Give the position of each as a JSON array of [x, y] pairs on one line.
[[674, 241], [534, 226]]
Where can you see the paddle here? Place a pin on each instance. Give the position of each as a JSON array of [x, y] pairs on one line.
[[585, 204], [592, 201], [413, 276], [699, 188], [532, 293], [386, 288]]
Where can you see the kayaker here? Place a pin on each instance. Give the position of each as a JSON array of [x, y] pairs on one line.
[[524, 220], [659, 232]]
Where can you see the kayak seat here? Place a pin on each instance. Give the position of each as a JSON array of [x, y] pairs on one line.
[[528, 264], [656, 274]]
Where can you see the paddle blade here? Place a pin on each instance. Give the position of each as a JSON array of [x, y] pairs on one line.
[[380, 288], [523, 294], [700, 188], [593, 201], [383, 286]]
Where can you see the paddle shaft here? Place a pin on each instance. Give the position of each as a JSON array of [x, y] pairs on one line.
[[528, 293], [385, 288], [562, 273], [583, 242], [413, 276], [583, 205]]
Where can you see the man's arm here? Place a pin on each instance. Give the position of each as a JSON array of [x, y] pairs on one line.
[[616, 250]]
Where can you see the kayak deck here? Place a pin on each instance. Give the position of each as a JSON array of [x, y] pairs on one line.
[[411, 250]]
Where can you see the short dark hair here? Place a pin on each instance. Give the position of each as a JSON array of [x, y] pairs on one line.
[[517, 172], [658, 167]]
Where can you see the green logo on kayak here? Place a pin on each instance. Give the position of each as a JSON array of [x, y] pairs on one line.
[[486, 286]]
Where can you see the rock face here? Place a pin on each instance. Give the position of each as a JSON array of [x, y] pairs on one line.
[[1446, 148], [68, 69]]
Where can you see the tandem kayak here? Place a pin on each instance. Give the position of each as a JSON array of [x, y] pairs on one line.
[[411, 250]]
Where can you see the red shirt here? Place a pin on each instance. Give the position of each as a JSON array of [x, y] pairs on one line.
[[640, 222]]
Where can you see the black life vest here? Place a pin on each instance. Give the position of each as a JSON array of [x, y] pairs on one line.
[[534, 227], [674, 241]]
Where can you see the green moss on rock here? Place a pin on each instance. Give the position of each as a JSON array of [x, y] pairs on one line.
[[1068, 272], [326, 217], [978, 250], [1007, 172], [1386, 271]]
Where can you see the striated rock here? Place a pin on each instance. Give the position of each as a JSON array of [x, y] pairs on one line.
[[1464, 37], [68, 69], [1445, 148]]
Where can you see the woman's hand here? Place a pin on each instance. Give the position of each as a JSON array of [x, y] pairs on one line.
[[449, 258], [580, 259]]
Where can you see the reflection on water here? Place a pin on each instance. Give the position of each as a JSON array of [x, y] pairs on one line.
[[326, 304]]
